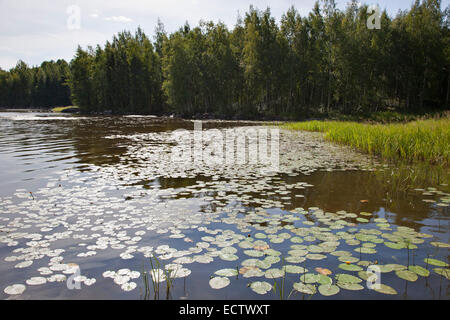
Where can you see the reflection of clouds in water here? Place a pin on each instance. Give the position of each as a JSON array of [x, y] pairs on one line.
[[104, 215]]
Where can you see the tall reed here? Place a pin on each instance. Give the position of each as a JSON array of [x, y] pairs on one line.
[[416, 141]]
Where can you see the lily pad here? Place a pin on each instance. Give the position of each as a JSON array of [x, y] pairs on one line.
[[254, 253], [274, 273], [261, 287], [436, 262], [385, 289], [309, 278], [328, 289], [304, 288], [350, 286], [407, 275], [315, 256], [440, 244], [350, 267], [15, 289], [219, 282], [421, 271], [443, 272], [347, 278], [294, 269], [394, 245], [323, 279], [228, 272]]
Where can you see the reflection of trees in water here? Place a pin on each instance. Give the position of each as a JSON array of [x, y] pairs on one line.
[[344, 190], [88, 135]]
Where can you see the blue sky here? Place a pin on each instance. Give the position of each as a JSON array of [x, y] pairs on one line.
[[35, 31]]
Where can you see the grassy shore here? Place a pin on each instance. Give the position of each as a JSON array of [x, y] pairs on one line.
[[422, 140], [61, 109]]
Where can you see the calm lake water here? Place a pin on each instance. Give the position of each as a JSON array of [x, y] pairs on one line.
[[87, 202]]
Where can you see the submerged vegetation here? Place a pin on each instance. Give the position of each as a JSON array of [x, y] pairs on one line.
[[422, 140]]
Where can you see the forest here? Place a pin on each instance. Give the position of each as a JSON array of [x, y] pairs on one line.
[[324, 63]]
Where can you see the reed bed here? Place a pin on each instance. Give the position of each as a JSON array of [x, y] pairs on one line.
[[416, 141]]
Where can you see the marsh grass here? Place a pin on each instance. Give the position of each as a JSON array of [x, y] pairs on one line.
[[167, 277], [416, 141]]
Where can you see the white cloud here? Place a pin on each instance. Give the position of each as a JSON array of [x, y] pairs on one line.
[[94, 15], [118, 19]]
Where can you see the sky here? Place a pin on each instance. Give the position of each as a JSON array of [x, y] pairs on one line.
[[35, 31]]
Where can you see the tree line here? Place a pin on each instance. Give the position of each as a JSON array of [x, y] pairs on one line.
[[328, 61], [43, 86]]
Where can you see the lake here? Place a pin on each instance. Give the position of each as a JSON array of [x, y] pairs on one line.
[[97, 208]]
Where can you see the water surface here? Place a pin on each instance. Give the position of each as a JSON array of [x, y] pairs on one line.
[[101, 193]]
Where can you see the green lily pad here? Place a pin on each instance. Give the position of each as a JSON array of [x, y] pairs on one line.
[[347, 278], [350, 286], [443, 272], [304, 288], [298, 252], [274, 273], [366, 250], [436, 262], [394, 245], [261, 287], [309, 278], [349, 259], [440, 244], [272, 259], [263, 264], [254, 253], [407, 275], [385, 268], [249, 262], [296, 240], [385, 289], [323, 279], [395, 266], [363, 263], [219, 282], [228, 257], [328, 289], [253, 273], [341, 253], [350, 267], [293, 269], [272, 252], [362, 220], [295, 259], [421, 271], [228, 272], [315, 256]]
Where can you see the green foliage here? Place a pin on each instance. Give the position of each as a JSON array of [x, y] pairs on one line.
[[422, 140], [322, 64], [124, 77], [42, 86]]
